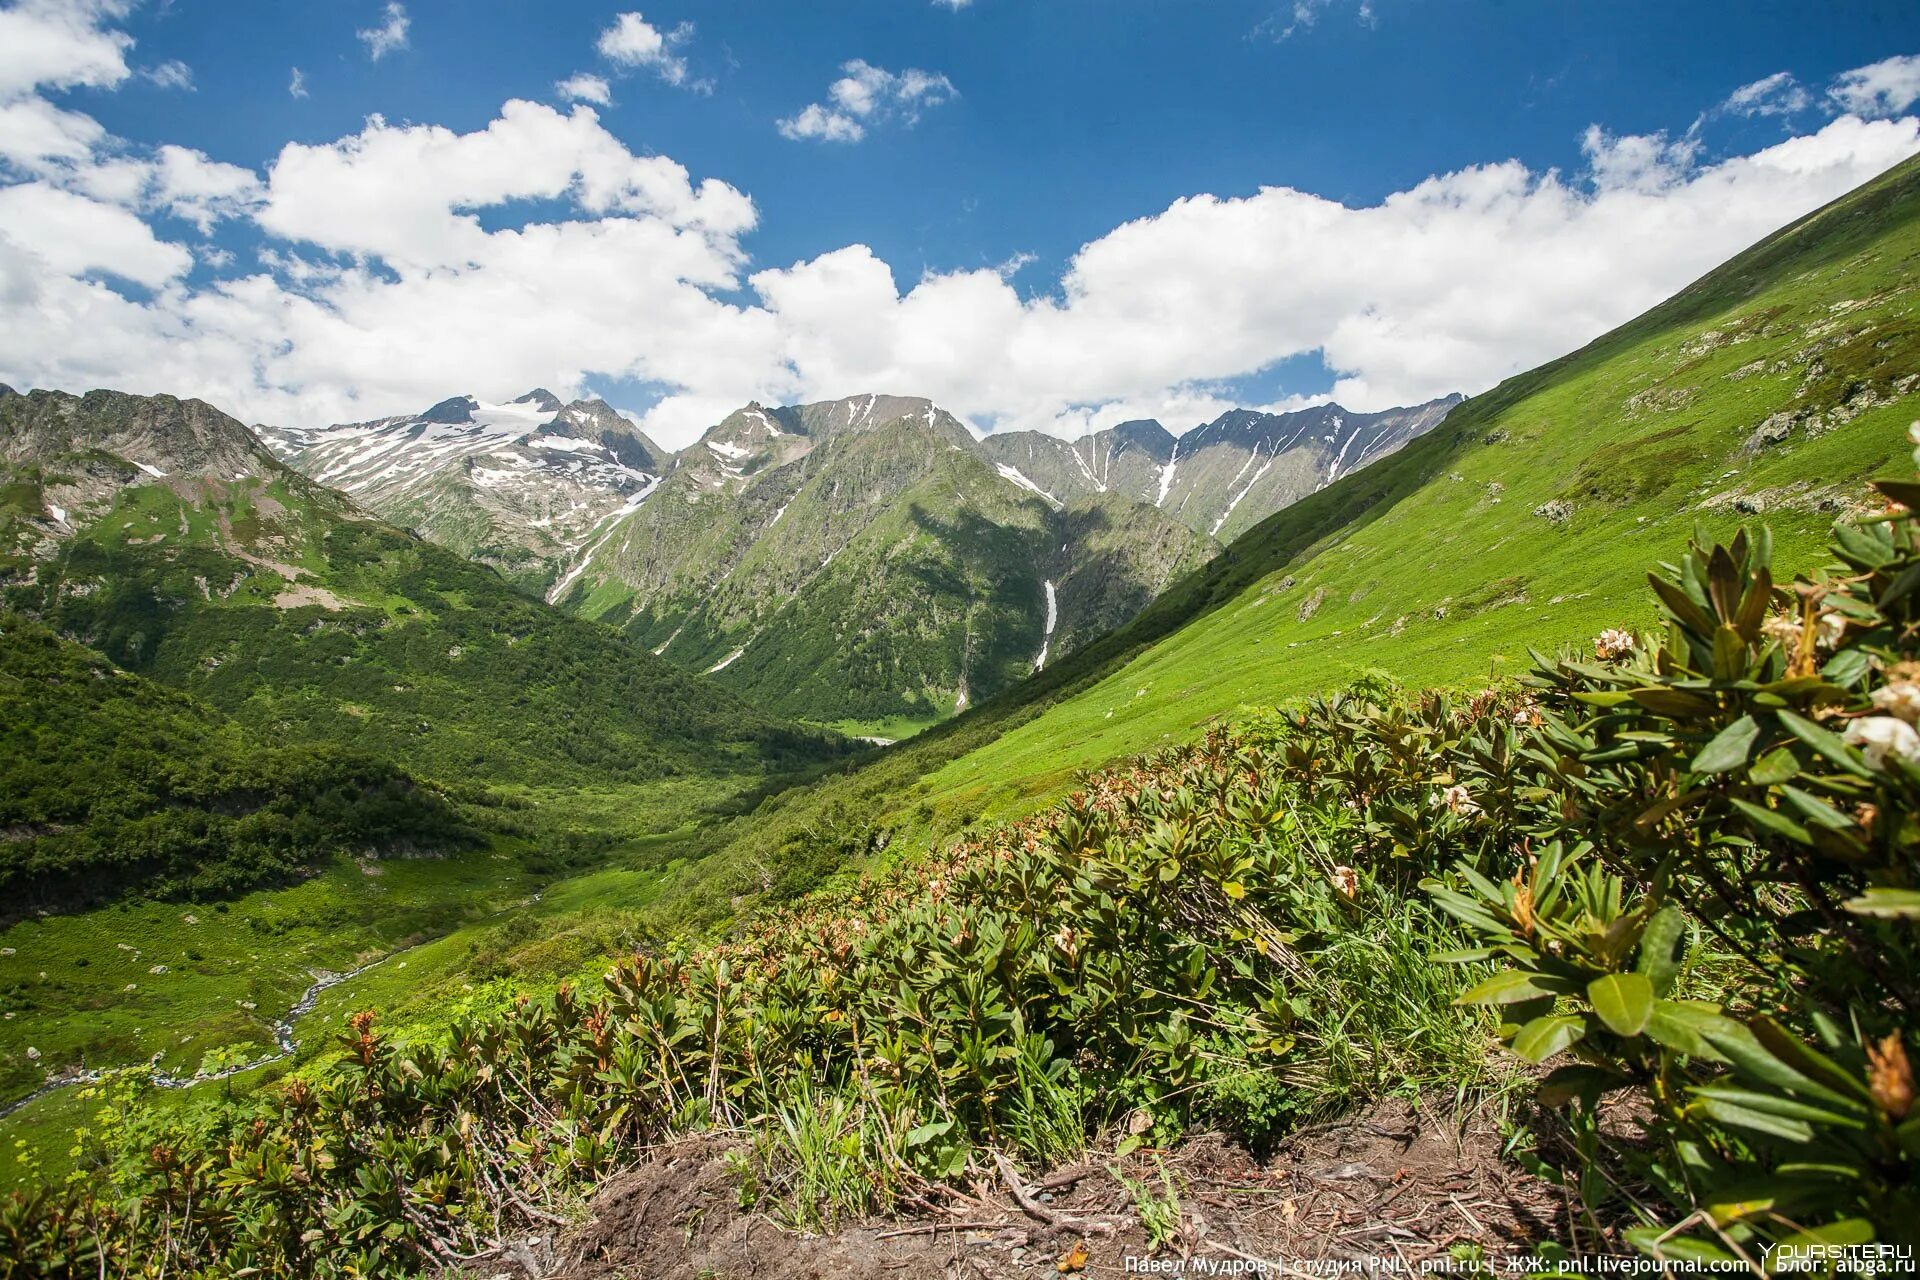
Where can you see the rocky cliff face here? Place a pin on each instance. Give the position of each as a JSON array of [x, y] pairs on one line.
[[1222, 478], [519, 486]]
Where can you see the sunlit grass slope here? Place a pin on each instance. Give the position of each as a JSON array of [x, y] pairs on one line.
[[1767, 391], [1528, 518]]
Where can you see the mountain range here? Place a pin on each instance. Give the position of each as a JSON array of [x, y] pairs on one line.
[[163, 534], [861, 560]]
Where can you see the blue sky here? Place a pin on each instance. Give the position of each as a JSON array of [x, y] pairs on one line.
[[1005, 146]]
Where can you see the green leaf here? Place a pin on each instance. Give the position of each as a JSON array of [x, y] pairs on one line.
[[1659, 1242], [1729, 653], [1624, 1002], [1564, 1084], [1684, 610], [1508, 987], [1861, 548], [1732, 1113], [1808, 1061], [1661, 944], [1544, 1037], [928, 1132], [1773, 822], [1729, 748], [1888, 904], [1775, 767], [1673, 703], [1465, 956], [1773, 1104], [1682, 1025], [1845, 1231], [1828, 745]]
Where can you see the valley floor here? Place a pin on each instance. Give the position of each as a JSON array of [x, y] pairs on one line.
[[198, 990]]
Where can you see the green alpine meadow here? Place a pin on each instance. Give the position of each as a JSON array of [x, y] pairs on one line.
[[1329, 703]]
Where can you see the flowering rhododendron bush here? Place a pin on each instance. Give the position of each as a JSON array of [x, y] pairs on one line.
[[1747, 784], [1686, 868]]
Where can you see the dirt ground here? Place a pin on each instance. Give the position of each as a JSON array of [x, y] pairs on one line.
[[1391, 1184]]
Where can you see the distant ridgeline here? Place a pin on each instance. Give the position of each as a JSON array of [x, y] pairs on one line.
[[855, 559]]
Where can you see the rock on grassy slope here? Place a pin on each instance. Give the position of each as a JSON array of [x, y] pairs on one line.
[[1768, 390]]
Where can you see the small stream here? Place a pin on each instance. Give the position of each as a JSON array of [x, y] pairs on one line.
[[282, 1037], [324, 980]]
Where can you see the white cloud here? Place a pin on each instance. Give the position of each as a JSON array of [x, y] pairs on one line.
[[1452, 285], [585, 87], [404, 194], [60, 44], [389, 34], [867, 95], [172, 74], [404, 263], [817, 122], [634, 43], [1776, 95], [189, 185], [297, 84], [33, 131], [76, 236], [955, 5], [1303, 15], [1885, 88]]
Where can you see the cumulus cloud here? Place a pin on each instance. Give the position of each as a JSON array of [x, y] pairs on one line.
[[60, 44], [867, 95], [1884, 88], [389, 34], [403, 263], [633, 43], [297, 84], [75, 236], [34, 132], [584, 87]]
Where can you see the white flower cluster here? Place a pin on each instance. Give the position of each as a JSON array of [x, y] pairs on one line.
[[1893, 733], [1613, 644]]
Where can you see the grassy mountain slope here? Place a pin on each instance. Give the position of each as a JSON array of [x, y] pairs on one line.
[[109, 783], [1768, 390], [163, 534], [1420, 566]]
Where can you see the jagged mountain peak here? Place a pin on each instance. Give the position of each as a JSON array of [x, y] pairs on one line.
[[160, 435], [1147, 434], [452, 411], [540, 398]]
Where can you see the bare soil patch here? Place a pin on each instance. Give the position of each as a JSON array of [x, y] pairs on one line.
[[1390, 1181]]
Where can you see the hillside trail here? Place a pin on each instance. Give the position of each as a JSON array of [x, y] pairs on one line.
[[1392, 1189]]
